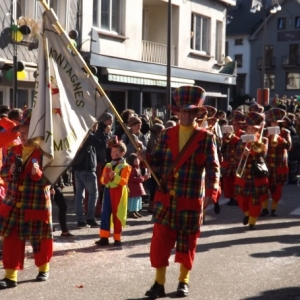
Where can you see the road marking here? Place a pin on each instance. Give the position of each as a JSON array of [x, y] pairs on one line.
[[296, 211]]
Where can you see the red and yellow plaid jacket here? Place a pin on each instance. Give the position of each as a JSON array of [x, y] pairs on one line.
[[180, 207], [277, 159], [27, 204], [228, 165], [248, 184]]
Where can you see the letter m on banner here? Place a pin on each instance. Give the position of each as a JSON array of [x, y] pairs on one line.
[[67, 100]]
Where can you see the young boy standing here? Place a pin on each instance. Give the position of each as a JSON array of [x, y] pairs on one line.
[[115, 177]]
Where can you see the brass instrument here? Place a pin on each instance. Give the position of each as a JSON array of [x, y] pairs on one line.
[[202, 121], [274, 141], [228, 138], [248, 138], [259, 146], [274, 131], [243, 162]]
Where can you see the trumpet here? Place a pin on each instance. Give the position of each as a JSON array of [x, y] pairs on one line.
[[227, 139], [274, 131], [259, 146], [228, 133], [274, 141]]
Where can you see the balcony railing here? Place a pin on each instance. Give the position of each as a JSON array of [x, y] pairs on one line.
[[157, 53], [269, 62], [290, 61]]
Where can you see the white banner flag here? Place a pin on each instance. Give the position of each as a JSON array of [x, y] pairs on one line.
[[66, 101]]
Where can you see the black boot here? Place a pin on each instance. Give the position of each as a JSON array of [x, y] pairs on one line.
[[217, 208], [246, 220], [273, 213], [6, 283], [182, 289], [102, 242], [156, 291], [232, 202], [264, 212]]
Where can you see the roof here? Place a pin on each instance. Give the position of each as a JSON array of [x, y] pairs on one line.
[[243, 21]]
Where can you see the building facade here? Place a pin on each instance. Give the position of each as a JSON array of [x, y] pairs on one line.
[[27, 12], [126, 40], [274, 33], [131, 51]]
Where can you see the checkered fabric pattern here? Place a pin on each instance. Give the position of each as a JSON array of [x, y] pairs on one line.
[[237, 116], [249, 185], [277, 160], [256, 108], [181, 210], [188, 97], [27, 203], [211, 111], [228, 165], [275, 114], [254, 119]]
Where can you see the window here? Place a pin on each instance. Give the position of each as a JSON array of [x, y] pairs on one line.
[[22, 98], [1, 97], [292, 81], [239, 60], [200, 29], [241, 84], [226, 49], [219, 41], [238, 42], [281, 23], [270, 81], [297, 22], [107, 15]]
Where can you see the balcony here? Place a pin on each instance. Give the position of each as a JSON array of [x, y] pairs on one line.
[[269, 62], [157, 53], [290, 61]]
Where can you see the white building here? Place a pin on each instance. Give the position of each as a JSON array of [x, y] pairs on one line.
[[127, 41]]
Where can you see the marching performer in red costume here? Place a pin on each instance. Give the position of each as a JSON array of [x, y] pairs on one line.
[[251, 188], [178, 207], [25, 212], [277, 159], [229, 147]]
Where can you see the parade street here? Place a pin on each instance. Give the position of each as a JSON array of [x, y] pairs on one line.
[[232, 263]]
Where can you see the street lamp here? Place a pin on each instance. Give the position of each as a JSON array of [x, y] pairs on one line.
[[169, 35], [263, 93]]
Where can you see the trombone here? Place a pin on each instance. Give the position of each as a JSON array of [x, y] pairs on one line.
[[248, 138]]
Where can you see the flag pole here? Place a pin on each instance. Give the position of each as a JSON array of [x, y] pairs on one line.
[[60, 30]]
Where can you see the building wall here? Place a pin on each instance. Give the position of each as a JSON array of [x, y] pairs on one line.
[[245, 50], [290, 10], [156, 30]]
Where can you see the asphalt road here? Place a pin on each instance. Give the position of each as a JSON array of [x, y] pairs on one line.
[[232, 263]]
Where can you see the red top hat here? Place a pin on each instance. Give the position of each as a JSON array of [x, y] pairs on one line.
[[257, 108], [188, 97], [254, 119], [238, 116], [275, 115]]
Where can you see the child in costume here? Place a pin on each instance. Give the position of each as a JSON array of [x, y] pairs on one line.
[[114, 177], [136, 188]]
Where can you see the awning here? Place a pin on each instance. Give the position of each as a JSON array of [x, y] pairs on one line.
[[215, 95], [145, 78]]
